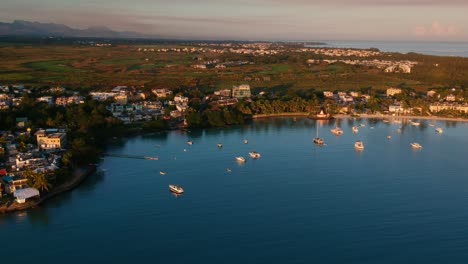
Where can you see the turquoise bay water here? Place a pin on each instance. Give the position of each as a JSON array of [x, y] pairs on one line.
[[298, 203]]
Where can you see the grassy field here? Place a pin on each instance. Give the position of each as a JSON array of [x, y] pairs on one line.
[[80, 66]]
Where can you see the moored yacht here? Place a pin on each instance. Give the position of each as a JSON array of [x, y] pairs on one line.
[[176, 189], [254, 154], [415, 123], [355, 129], [337, 131], [359, 145], [439, 130], [319, 141]]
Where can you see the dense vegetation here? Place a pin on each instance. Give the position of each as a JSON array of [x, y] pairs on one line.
[[89, 68]]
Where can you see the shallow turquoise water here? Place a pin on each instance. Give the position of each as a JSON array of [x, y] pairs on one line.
[[298, 203]]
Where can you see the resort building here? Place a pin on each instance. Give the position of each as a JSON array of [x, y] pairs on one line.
[[12, 183], [161, 93], [393, 91], [50, 139], [457, 107], [241, 91], [328, 94], [224, 93]]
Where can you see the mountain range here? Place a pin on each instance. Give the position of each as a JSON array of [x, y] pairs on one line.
[[37, 29]]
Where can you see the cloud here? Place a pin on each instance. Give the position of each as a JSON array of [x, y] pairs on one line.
[[436, 29], [360, 3]]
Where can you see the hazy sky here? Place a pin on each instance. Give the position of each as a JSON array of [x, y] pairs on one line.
[[425, 20]]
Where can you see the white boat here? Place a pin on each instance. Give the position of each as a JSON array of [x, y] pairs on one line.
[[337, 131], [190, 142], [240, 159], [254, 154], [151, 158], [359, 145], [386, 121], [355, 129], [317, 140], [431, 125], [415, 145], [176, 189], [389, 137], [415, 123], [162, 172], [246, 141], [362, 125], [228, 170], [439, 130], [220, 145]]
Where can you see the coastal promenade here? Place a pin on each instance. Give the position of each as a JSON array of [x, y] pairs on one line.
[[78, 176]]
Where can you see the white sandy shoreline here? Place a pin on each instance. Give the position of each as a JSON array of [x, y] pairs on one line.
[[390, 117]]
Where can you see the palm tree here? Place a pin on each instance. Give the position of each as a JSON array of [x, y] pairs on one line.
[[41, 182], [38, 180]]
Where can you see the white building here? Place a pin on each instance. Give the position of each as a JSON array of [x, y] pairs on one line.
[[393, 91]]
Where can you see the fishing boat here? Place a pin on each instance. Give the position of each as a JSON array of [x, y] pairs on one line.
[[240, 159], [254, 154], [337, 131], [415, 145], [355, 129], [439, 130], [359, 145], [176, 189]]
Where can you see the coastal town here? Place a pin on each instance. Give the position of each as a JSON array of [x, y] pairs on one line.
[[31, 155], [48, 129]]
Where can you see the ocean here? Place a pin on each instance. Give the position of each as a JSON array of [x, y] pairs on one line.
[[459, 49], [297, 203]]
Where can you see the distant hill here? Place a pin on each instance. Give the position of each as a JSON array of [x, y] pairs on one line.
[[27, 28]]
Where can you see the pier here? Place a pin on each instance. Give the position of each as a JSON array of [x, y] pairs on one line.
[[130, 156]]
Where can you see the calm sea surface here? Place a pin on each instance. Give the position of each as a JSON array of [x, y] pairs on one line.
[[459, 49], [298, 203]]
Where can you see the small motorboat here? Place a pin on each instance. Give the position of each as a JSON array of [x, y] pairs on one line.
[[190, 142], [415, 145], [176, 189], [389, 137], [220, 145], [246, 141], [228, 170], [355, 129], [439, 130], [162, 172], [254, 154]]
